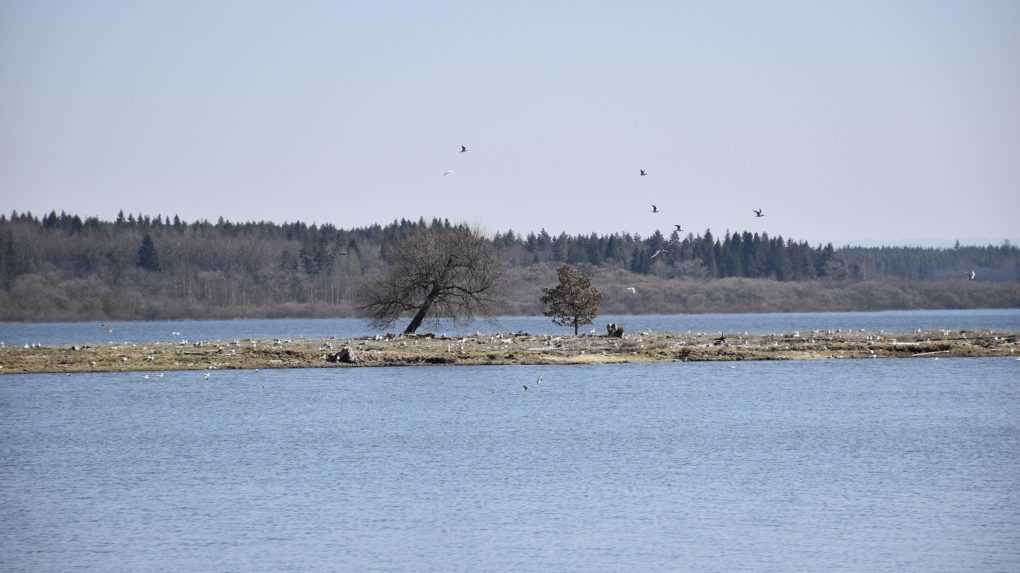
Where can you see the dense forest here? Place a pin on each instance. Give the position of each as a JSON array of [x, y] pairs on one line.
[[64, 267]]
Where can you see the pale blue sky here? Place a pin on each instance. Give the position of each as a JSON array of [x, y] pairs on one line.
[[859, 121]]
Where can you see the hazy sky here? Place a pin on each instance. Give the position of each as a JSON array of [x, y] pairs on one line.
[[859, 121]]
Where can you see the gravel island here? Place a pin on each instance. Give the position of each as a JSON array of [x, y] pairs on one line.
[[503, 349]]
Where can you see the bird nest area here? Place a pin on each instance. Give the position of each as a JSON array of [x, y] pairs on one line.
[[502, 349]]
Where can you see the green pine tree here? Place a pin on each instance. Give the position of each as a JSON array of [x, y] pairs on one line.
[[573, 302], [148, 259]]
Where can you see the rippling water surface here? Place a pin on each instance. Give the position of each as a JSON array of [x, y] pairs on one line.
[[53, 333], [869, 465]]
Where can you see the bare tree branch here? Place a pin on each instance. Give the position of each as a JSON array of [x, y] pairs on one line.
[[450, 273]]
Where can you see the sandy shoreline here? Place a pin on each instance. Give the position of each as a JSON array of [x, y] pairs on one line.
[[502, 349]]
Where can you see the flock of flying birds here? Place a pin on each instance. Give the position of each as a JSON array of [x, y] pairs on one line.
[[655, 209], [758, 213]]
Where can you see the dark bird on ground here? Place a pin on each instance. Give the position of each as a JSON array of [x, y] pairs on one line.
[[643, 173], [973, 275], [679, 229], [659, 252], [654, 208], [525, 387], [758, 213], [463, 149]]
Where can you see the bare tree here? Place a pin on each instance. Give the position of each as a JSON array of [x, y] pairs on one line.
[[574, 301], [449, 273]]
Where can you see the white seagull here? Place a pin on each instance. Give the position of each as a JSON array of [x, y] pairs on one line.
[[973, 275], [632, 290], [659, 252]]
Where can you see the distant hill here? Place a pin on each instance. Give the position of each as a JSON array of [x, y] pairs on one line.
[[64, 267]]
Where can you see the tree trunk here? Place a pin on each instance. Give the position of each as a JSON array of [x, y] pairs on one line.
[[575, 326], [419, 316]]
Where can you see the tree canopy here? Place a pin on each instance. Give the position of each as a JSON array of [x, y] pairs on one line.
[[572, 302], [448, 273], [148, 259]]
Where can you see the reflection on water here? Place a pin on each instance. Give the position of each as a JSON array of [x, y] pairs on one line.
[[879, 465]]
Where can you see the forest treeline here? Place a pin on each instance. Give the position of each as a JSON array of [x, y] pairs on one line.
[[65, 267]]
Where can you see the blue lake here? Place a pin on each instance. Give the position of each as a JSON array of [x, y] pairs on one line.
[[867, 465], [115, 332]]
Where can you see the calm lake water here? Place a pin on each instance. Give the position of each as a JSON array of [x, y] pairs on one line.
[[54, 333], [867, 465]]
